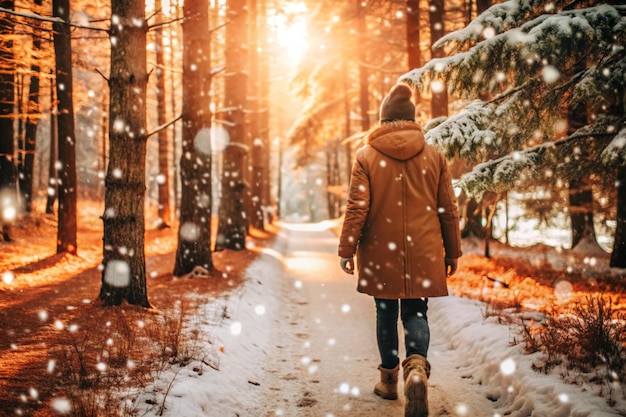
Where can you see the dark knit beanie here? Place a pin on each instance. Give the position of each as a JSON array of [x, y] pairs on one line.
[[398, 105]]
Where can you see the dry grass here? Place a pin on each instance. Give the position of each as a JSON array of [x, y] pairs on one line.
[[576, 320], [586, 339], [58, 342]]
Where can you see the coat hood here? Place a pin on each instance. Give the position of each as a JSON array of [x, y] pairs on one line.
[[399, 139]]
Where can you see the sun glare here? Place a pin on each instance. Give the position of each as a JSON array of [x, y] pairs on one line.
[[291, 31]]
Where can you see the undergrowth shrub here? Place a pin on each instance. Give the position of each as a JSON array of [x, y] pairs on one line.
[[589, 338], [130, 348]]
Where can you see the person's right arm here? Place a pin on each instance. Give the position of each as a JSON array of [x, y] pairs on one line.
[[357, 209]]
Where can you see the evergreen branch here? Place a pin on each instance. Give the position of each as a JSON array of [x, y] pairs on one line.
[[498, 174]]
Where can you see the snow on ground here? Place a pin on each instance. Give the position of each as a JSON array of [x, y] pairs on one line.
[[477, 370]]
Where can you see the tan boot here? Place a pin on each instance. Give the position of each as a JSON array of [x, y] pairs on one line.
[[416, 372], [387, 387]]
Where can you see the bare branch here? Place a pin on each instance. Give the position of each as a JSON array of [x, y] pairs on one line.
[[161, 24], [215, 29], [102, 75], [48, 19], [165, 126]]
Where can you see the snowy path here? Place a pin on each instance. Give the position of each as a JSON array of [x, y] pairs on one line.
[[327, 357], [297, 340]]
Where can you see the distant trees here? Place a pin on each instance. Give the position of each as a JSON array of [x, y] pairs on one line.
[[540, 60], [527, 79]]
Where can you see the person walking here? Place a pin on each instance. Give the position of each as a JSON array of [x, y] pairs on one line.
[[401, 222]]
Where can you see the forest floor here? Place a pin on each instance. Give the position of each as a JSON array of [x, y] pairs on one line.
[[50, 312], [47, 300]]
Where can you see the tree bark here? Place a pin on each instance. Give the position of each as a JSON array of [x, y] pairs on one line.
[[194, 233], [163, 180], [580, 193], [233, 221], [8, 175], [52, 171], [175, 35], [413, 43], [30, 134], [439, 101], [264, 110], [124, 274], [345, 84], [66, 230], [258, 145], [364, 97], [581, 210], [618, 256]]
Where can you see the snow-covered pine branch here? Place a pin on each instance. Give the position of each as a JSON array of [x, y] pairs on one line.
[[615, 153], [463, 134], [537, 66], [561, 158]]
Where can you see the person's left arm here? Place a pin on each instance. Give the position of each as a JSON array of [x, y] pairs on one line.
[[448, 218]]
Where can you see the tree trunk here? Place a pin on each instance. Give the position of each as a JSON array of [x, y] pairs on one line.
[[413, 42], [364, 97], [66, 230], [233, 222], [52, 171], [439, 101], [194, 233], [30, 135], [581, 210], [618, 256], [8, 176], [332, 177], [174, 34], [258, 145], [264, 113], [124, 274], [102, 163], [413, 33], [482, 5], [580, 193], [347, 113], [163, 179]]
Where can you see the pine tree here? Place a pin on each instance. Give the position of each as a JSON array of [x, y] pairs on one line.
[[67, 240], [194, 230], [233, 222], [537, 59], [124, 259]]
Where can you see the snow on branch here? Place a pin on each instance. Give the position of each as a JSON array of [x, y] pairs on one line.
[[504, 173], [615, 152], [526, 50], [463, 134], [499, 18]]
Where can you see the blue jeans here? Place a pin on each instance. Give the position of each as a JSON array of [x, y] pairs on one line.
[[416, 330]]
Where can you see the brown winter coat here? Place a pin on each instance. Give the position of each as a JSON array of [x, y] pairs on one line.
[[401, 215]]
